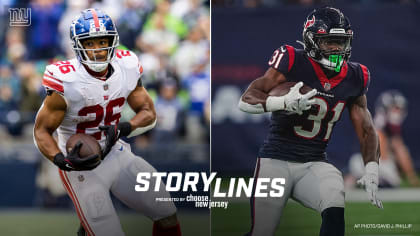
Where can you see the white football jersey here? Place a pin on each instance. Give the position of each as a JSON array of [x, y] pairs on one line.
[[92, 102]]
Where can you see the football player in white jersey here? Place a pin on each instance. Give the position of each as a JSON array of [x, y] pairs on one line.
[[86, 95]]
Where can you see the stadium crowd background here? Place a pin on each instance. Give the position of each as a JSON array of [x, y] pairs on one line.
[[171, 38]]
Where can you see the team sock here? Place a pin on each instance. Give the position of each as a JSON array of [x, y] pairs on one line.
[[332, 222]]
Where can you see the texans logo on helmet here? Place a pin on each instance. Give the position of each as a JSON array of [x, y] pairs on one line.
[[321, 31], [310, 23]]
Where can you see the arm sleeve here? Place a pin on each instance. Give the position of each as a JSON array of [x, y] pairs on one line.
[[51, 83]]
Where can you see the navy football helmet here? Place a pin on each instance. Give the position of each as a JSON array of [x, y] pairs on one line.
[[93, 23], [328, 26]]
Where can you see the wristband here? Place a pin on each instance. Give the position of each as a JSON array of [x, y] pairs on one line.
[[253, 109], [274, 103], [372, 167], [141, 130]]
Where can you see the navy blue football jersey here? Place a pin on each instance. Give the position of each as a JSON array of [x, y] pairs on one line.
[[304, 138]]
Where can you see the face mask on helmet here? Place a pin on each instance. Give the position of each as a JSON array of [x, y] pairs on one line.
[[327, 38], [96, 58], [333, 50], [91, 25]]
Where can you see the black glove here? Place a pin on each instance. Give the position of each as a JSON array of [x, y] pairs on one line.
[[74, 162], [113, 133]]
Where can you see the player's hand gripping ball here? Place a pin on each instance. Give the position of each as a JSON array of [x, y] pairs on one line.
[[297, 96], [83, 152]]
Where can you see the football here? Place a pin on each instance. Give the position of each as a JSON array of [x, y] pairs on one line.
[[90, 145], [283, 89]]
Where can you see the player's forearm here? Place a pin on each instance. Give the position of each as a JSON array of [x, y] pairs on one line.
[[46, 144], [253, 101], [363, 124], [143, 118], [144, 121], [256, 102], [251, 108], [369, 145]]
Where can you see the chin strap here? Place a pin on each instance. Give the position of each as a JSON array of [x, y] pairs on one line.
[[97, 67]]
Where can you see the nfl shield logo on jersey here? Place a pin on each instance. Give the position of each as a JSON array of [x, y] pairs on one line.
[[81, 178], [105, 87], [327, 86]]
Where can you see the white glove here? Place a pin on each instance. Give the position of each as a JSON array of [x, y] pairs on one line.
[[370, 182], [296, 102], [293, 101]]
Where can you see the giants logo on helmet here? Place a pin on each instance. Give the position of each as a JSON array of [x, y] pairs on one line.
[[97, 30], [310, 23]]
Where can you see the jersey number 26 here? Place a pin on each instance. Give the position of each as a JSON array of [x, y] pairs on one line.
[[99, 111]]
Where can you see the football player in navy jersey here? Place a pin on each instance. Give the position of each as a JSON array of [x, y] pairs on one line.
[[301, 124], [390, 113]]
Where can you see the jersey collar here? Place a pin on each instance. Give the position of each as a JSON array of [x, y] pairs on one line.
[[91, 78], [326, 83]]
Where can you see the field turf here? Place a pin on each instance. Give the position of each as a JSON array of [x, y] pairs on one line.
[[296, 221], [300, 221], [65, 223]]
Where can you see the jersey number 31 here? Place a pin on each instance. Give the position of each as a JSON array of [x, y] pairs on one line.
[[318, 118]]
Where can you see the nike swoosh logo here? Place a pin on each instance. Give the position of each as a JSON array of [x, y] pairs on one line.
[[121, 148], [50, 72], [69, 166]]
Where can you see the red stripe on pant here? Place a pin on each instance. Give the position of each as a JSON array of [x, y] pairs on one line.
[[76, 203]]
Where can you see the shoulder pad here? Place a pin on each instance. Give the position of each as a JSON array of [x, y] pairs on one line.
[[283, 59], [129, 60], [56, 74], [63, 70], [50, 80]]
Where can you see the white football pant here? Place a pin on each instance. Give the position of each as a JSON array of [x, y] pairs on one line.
[[90, 192], [316, 185]]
